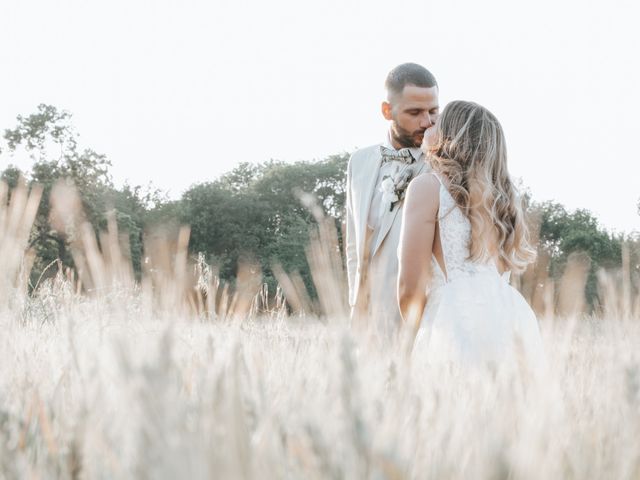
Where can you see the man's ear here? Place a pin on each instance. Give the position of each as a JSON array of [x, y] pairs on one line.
[[386, 110]]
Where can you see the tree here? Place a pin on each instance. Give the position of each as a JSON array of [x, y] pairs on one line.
[[11, 175], [226, 224], [255, 211], [50, 140], [563, 233]]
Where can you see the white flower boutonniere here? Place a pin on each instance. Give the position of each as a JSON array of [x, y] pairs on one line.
[[394, 187]]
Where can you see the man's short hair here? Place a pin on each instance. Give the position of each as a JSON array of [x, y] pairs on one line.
[[408, 74]]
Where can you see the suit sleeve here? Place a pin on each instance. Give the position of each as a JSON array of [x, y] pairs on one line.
[[351, 253]]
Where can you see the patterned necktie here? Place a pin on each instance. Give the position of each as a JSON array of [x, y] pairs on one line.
[[403, 155]]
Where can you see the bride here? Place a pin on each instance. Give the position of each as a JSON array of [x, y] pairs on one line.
[[463, 232]]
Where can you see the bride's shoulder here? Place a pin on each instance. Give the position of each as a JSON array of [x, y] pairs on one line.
[[425, 183], [424, 190]]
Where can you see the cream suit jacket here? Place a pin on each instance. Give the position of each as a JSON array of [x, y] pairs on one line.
[[362, 176]]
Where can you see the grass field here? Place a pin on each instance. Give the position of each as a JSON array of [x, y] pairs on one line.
[[177, 377]]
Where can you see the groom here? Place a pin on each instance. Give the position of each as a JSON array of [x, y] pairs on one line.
[[377, 178]]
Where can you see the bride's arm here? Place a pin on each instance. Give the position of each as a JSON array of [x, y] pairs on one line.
[[416, 245]]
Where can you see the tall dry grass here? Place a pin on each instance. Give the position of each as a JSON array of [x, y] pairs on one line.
[[182, 376]]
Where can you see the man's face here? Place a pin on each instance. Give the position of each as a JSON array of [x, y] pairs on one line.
[[411, 113]]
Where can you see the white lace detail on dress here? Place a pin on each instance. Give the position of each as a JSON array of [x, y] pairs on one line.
[[455, 235]]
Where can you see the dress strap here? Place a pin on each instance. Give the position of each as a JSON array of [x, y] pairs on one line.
[[438, 177], [445, 198]]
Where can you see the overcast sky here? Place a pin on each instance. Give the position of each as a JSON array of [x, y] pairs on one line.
[[179, 92]]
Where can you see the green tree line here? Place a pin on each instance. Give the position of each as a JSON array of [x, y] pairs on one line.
[[252, 212]]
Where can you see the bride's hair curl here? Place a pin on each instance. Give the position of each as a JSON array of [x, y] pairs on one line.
[[470, 151]]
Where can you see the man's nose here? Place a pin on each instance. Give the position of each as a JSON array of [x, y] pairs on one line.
[[426, 121]]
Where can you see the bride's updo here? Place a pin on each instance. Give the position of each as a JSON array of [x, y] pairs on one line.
[[469, 149]]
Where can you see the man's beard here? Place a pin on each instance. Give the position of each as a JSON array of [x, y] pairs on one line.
[[405, 138]]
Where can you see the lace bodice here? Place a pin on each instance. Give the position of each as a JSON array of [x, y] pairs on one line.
[[455, 236]]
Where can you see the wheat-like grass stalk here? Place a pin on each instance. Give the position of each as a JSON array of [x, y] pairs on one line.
[[180, 375]]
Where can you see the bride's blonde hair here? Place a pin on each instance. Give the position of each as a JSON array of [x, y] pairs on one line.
[[470, 151]]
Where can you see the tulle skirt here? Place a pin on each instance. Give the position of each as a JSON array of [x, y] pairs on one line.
[[477, 320]]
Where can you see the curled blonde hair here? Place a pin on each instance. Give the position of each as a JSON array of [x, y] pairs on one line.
[[470, 151]]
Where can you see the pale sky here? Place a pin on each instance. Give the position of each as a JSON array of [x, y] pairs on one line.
[[179, 92]]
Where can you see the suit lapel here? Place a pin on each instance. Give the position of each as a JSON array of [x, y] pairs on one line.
[[390, 216]]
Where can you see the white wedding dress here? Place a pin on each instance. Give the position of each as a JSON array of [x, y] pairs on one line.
[[473, 316]]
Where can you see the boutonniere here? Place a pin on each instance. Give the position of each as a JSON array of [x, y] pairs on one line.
[[394, 187]]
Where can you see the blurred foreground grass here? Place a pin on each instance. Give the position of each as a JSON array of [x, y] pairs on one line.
[[178, 376]]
